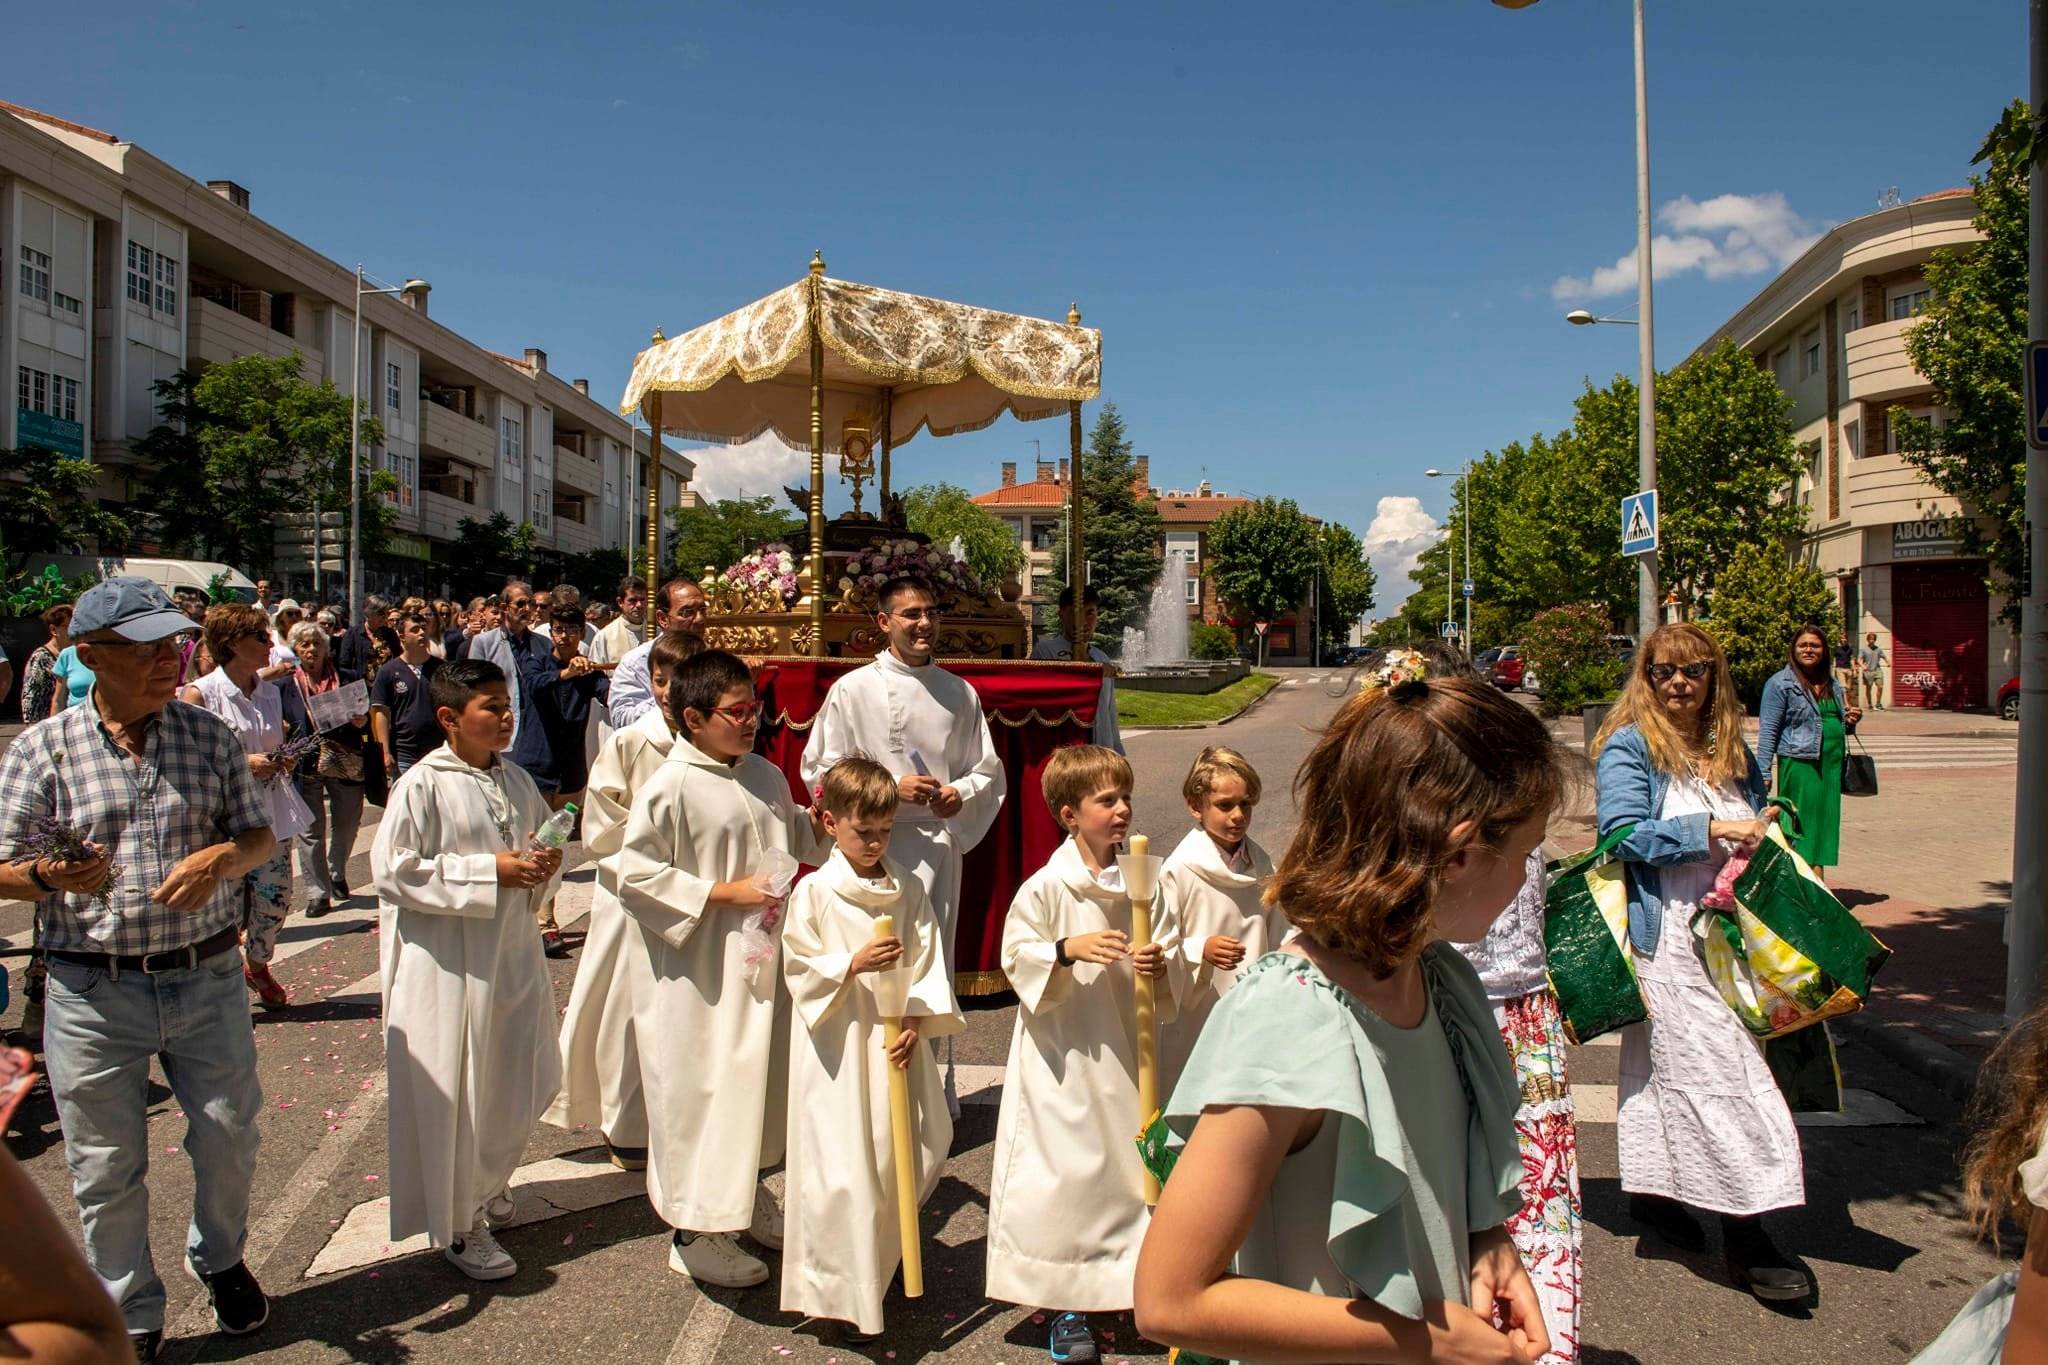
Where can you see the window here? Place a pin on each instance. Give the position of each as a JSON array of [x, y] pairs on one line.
[[65, 393], [166, 286], [1892, 442], [32, 389], [1809, 355], [140, 260], [1194, 592], [1855, 319], [1852, 437], [1045, 535], [1781, 367], [1910, 304], [391, 388], [66, 304], [35, 274], [511, 457]]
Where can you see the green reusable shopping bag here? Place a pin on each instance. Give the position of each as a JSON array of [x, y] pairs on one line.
[[1789, 954], [1585, 937], [1157, 1154]]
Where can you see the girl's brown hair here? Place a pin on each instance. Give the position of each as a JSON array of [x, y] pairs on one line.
[[230, 623], [2006, 1117], [1380, 794], [1681, 642]]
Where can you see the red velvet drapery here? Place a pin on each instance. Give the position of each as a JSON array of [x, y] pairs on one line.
[[1032, 709]]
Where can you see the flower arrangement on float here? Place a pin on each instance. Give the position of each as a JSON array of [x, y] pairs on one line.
[[765, 580], [868, 569]]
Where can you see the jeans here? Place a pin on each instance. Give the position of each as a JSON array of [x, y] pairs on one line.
[[100, 1032], [324, 849]]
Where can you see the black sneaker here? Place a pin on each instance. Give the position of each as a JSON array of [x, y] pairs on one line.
[[148, 1345], [317, 907], [551, 943], [341, 887], [626, 1158], [1756, 1264], [239, 1306], [1073, 1340]]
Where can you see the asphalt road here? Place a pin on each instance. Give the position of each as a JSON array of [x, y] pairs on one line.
[[1881, 1231]]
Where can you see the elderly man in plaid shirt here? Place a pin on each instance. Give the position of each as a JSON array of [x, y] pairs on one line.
[[142, 940]]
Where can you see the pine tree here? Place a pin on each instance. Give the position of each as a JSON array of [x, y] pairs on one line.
[[1120, 524]]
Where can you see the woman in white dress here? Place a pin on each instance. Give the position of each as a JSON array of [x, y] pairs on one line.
[[1701, 1120]]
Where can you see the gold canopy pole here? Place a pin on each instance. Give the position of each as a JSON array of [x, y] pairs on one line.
[[888, 440], [1077, 562], [652, 407], [817, 461]]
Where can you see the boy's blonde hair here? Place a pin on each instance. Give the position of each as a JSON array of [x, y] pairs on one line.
[[1075, 773], [857, 787], [1218, 761]]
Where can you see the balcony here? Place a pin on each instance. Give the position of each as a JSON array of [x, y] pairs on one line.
[[449, 433], [1878, 366], [218, 335], [439, 514], [573, 471]]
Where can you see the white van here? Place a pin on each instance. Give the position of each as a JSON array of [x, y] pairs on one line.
[[168, 574]]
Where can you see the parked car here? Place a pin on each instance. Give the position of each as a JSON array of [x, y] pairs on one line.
[[2009, 700], [1508, 668], [1483, 661]]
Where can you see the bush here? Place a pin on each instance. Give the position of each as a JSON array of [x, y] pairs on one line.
[[1567, 647], [1212, 642], [1757, 604]]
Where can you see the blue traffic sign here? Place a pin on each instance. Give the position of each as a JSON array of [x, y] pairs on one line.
[[1468, 587], [2037, 393], [1450, 628], [1639, 523]]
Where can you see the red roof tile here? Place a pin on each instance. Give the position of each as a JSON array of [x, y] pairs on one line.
[[1024, 495], [38, 116], [1963, 193]]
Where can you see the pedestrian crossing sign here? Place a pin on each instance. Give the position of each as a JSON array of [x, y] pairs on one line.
[[1639, 523]]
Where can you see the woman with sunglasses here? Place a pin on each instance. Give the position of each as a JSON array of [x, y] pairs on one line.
[[1801, 724], [1701, 1122]]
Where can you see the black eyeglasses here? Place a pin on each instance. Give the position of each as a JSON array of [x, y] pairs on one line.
[[1661, 673]]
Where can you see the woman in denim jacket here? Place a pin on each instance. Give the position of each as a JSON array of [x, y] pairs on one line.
[[1801, 724], [1701, 1121]]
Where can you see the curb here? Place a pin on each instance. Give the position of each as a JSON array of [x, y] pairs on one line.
[[1946, 1069]]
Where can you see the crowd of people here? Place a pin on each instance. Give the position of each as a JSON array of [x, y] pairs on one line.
[[1366, 1139]]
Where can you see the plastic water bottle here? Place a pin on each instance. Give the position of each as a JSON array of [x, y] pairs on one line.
[[555, 833]]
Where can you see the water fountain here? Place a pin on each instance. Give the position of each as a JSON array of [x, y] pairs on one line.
[[1163, 641]]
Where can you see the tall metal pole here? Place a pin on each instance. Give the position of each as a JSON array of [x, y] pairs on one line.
[[355, 470], [2027, 922], [1468, 554], [652, 407], [818, 647], [1647, 614], [1077, 547], [1450, 583]]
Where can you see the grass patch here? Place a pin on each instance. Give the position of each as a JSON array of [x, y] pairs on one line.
[[1141, 710]]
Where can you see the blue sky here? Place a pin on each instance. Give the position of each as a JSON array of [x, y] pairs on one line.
[[1324, 242]]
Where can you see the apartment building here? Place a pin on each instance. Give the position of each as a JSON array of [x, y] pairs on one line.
[[1832, 328], [124, 270], [1032, 512]]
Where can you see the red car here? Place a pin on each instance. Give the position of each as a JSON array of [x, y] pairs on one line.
[[2009, 700], [1507, 669]]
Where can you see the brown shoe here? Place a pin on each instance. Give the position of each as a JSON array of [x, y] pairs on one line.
[[269, 993]]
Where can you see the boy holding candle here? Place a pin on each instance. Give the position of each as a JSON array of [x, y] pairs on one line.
[[843, 1242], [1067, 1203], [705, 836]]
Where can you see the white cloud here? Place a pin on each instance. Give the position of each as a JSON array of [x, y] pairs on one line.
[[1394, 543], [763, 465], [1723, 237]]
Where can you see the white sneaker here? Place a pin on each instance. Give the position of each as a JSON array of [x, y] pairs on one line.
[[715, 1258], [767, 1225], [499, 1209], [479, 1256]]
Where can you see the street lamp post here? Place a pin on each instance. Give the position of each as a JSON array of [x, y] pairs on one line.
[[1450, 603], [355, 447]]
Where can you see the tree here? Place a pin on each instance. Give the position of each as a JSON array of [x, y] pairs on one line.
[[488, 552], [1568, 650], [1263, 558], [1969, 343], [597, 572], [49, 504], [721, 533], [260, 441], [1121, 525], [1344, 590], [1760, 601], [943, 511]]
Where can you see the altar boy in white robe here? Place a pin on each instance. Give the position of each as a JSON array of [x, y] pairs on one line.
[[600, 1059], [712, 1028], [469, 1014], [1075, 642], [925, 726], [843, 1244], [1066, 1205]]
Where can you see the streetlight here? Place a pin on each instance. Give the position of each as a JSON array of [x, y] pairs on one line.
[[355, 447], [1646, 384], [1467, 486], [1579, 317]]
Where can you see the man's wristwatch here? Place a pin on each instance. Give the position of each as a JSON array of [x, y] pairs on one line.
[[1059, 953]]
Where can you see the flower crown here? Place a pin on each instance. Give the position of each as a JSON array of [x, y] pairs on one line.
[[1399, 666]]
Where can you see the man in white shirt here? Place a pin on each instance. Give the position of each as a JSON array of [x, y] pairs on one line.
[[679, 609], [617, 639], [1061, 647]]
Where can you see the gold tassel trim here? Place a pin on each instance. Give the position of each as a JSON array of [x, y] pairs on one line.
[[979, 983]]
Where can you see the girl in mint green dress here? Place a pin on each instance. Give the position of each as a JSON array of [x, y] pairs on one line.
[[1344, 1131]]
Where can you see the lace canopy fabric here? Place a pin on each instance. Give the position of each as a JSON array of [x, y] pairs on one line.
[[952, 367]]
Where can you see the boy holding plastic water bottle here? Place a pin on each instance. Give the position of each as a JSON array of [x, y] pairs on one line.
[[711, 847], [464, 853]]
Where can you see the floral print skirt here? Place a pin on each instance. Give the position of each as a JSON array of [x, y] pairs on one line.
[[1547, 1230]]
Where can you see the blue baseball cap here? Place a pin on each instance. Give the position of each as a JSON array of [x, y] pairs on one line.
[[133, 608]]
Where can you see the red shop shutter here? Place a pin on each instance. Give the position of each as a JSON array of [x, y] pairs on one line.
[[1941, 646]]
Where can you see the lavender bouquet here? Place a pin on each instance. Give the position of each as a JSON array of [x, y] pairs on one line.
[[49, 837], [294, 751]]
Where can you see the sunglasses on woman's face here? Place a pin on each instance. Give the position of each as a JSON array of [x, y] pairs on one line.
[[1661, 673]]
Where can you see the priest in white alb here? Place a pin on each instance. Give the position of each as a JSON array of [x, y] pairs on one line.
[[925, 725], [1075, 643]]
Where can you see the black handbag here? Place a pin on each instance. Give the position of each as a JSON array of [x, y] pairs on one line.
[[1859, 773]]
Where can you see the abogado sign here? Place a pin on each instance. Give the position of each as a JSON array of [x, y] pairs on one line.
[[1931, 537]]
